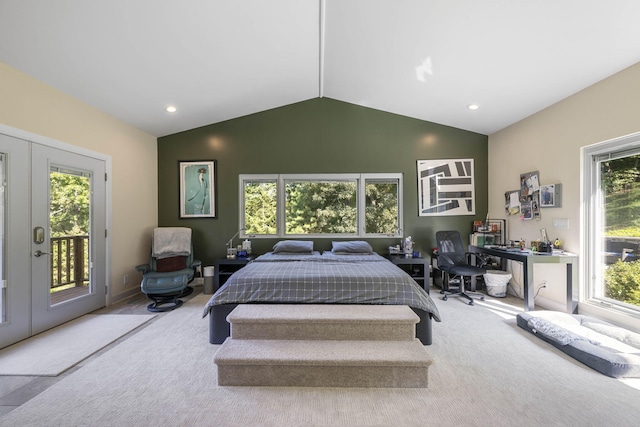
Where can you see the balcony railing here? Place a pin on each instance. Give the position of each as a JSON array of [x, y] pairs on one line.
[[621, 248], [69, 262]]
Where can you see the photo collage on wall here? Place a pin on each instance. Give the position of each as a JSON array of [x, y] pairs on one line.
[[531, 196]]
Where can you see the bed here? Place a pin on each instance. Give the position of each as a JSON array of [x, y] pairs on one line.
[[352, 276]]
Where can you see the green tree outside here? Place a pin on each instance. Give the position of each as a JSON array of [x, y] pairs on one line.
[[69, 216], [381, 208], [260, 200], [69, 209], [621, 187], [321, 207], [314, 207]]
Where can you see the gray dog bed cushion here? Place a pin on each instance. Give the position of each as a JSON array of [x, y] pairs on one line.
[[609, 349]]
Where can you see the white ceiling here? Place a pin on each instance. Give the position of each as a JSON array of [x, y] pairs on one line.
[[216, 60]]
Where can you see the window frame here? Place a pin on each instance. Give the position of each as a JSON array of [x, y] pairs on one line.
[[592, 222], [257, 178], [361, 180]]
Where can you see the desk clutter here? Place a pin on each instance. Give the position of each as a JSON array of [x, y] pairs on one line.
[[492, 233], [404, 248]]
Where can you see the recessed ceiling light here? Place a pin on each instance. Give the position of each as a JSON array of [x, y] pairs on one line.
[[171, 109], [473, 106]]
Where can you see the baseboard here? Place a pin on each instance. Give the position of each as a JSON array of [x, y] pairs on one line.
[[124, 295], [550, 304]]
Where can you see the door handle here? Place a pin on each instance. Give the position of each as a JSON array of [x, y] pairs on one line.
[[39, 253]]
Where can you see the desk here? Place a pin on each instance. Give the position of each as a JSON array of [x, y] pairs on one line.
[[527, 261]]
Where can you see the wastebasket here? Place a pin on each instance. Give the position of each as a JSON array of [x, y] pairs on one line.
[[208, 279], [496, 282]]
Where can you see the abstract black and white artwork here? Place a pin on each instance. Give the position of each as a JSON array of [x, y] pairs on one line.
[[446, 187]]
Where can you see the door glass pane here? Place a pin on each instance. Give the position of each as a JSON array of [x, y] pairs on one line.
[[620, 233], [3, 290], [69, 221]]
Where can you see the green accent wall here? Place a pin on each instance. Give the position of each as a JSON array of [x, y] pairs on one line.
[[320, 135]]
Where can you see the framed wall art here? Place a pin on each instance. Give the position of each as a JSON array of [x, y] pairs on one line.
[[446, 187], [197, 189]]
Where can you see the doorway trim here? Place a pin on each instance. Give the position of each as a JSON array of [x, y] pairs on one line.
[[43, 140]]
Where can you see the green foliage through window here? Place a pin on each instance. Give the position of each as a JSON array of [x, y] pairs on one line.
[[621, 188], [619, 185], [69, 219], [322, 204], [320, 207], [381, 207], [69, 210], [622, 282], [260, 202]]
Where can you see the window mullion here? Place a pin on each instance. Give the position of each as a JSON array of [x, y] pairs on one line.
[[281, 207]]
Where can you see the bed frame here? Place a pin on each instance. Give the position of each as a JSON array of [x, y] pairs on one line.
[[219, 328]]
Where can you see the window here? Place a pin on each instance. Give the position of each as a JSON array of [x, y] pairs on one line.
[[382, 206], [612, 223], [321, 205], [314, 206], [259, 206]]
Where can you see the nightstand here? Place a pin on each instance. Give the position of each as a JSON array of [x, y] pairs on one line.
[[225, 267], [417, 268]]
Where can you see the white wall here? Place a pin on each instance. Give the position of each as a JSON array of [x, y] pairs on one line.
[[550, 142], [35, 107]]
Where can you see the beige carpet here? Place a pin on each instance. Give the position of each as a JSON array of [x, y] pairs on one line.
[[56, 350], [487, 372]]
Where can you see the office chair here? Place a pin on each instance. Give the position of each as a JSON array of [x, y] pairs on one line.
[[171, 268], [453, 260]]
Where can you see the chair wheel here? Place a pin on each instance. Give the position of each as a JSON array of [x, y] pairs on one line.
[[481, 298], [444, 298], [470, 302]]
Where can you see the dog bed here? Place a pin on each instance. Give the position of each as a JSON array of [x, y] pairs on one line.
[[609, 349]]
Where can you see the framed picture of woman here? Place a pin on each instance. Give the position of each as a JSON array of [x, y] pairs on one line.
[[197, 189]]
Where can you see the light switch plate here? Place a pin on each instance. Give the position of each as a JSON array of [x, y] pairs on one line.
[[561, 223]]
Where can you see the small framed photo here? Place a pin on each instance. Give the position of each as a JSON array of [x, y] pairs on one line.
[[551, 196], [197, 189]]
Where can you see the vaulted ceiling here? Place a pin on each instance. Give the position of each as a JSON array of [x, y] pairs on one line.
[[215, 60]]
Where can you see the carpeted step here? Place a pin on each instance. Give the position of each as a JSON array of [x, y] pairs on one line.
[[323, 322], [323, 363]]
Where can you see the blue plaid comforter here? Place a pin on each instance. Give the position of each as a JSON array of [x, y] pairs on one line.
[[326, 279]]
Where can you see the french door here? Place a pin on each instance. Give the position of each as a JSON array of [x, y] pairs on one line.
[[53, 243]]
